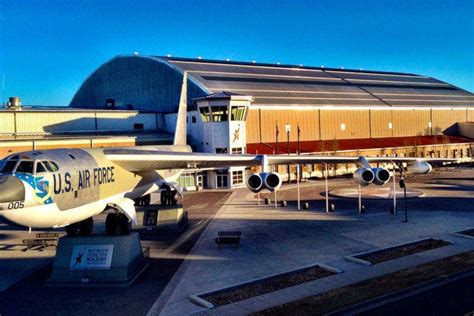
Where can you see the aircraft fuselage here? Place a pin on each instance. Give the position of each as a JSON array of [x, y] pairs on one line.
[[84, 183]]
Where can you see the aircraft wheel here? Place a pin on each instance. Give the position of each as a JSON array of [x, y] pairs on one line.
[[146, 199], [124, 225], [111, 224], [72, 230], [173, 199], [86, 226], [117, 224], [164, 197]]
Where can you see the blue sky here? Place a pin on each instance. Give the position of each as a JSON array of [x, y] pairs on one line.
[[48, 48]]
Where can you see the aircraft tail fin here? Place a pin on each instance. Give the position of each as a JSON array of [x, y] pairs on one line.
[[180, 132]]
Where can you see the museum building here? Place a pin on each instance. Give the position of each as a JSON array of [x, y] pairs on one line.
[[249, 107]]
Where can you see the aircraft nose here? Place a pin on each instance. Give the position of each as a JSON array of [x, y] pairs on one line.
[[11, 189]]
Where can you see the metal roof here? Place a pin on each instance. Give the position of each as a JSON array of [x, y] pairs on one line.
[[285, 85]]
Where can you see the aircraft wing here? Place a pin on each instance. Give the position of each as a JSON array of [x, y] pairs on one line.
[[142, 160]]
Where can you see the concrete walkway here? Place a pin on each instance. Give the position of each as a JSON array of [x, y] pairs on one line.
[[284, 239]]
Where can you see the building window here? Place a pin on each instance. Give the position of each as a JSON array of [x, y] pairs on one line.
[[205, 115], [186, 180], [221, 150], [237, 113], [193, 119], [238, 150], [343, 127], [237, 177], [222, 178], [219, 113]]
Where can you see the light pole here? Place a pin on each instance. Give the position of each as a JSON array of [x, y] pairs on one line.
[[288, 130], [404, 187], [276, 138], [300, 176], [299, 132]]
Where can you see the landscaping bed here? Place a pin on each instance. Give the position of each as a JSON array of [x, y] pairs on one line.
[[402, 250], [468, 232], [266, 285], [360, 292]]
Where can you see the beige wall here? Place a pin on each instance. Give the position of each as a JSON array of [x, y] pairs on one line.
[[7, 123], [252, 125], [470, 115], [125, 121], [411, 122], [308, 121], [46, 122], [356, 124], [443, 119], [50, 122], [379, 120]]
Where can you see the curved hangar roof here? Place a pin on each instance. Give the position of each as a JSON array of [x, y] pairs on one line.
[[152, 83]]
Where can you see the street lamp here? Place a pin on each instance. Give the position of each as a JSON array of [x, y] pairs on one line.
[[288, 130], [276, 137]]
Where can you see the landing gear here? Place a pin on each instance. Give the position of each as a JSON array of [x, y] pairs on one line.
[[143, 201], [83, 228], [168, 197], [117, 224]]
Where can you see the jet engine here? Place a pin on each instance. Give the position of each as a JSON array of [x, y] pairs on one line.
[[363, 176], [272, 181], [255, 182], [381, 176], [419, 167]]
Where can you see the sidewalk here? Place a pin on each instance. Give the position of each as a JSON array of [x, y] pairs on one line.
[[284, 239]]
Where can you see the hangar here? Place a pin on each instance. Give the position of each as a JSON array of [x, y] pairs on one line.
[[249, 107], [274, 108]]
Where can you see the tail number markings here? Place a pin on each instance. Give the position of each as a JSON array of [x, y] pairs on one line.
[[16, 205]]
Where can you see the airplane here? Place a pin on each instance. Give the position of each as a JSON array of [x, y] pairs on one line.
[[68, 187]]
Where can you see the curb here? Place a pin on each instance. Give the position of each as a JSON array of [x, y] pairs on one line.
[[459, 234], [401, 294], [195, 298], [354, 258]]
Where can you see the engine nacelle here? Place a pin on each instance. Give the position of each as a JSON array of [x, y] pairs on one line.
[[363, 176], [255, 182], [419, 167], [381, 176], [271, 180]]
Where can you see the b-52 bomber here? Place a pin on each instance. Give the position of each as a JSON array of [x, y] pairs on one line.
[[67, 187]]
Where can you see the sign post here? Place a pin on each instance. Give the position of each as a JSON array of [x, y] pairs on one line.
[[326, 182], [298, 185], [404, 187], [360, 199]]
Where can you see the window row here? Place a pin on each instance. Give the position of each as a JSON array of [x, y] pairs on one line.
[[220, 113]]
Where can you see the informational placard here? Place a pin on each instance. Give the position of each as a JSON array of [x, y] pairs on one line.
[[91, 257]]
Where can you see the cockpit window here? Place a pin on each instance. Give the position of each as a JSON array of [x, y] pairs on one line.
[[50, 166], [54, 167], [9, 166], [25, 166], [40, 168]]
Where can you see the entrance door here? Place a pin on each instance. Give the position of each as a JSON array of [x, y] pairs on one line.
[[222, 179]]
